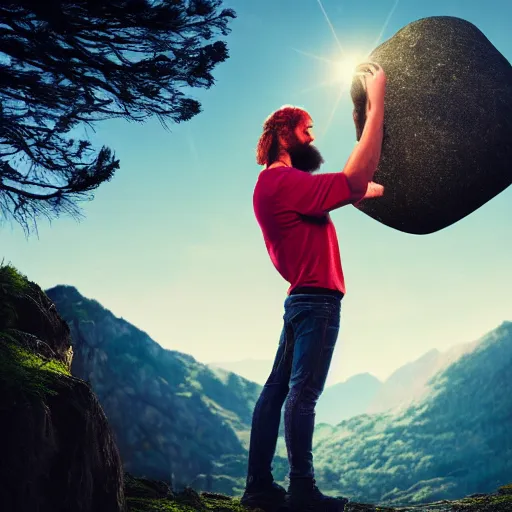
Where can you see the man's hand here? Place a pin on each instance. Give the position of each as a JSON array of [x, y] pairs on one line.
[[373, 190], [374, 80]]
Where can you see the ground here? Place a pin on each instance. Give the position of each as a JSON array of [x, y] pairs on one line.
[[149, 496]]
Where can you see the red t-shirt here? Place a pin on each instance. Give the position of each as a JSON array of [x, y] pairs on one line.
[[291, 207]]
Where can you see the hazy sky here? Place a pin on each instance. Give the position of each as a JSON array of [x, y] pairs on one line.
[[171, 243]]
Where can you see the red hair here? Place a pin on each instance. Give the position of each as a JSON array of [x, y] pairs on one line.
[[281, 122]]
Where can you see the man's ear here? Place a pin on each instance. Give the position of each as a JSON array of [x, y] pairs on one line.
[[283, 141]]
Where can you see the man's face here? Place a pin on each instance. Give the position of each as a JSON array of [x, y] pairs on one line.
[[303, 154]]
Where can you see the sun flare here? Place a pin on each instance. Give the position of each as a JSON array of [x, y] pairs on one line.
[[343, 70]]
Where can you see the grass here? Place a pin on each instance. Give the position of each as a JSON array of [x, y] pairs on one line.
[[213, 503], [12, 285], [24, 372], [21, 370], [220, 503]]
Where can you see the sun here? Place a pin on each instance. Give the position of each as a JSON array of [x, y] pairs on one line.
[[343, 70]]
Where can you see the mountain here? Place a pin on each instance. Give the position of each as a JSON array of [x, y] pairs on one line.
[[255, 370], [59, 452], [452, 442], [364, 393], [410, 382], [338, 402], [171, 415], [347, 399]]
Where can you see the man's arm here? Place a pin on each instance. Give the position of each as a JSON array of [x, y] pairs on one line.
[[373, 190], [318, 194], [363, 161]]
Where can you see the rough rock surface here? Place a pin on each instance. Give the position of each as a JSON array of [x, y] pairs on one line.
[[58, 453], [448, 125]]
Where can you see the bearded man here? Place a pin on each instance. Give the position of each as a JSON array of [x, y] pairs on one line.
[[292, 208]]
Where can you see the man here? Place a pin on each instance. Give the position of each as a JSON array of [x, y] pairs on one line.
[[292, 208]]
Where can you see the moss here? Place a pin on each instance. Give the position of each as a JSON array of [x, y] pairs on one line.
[[12, 279], [24, 372], [505, 489], [487, 503], [223, 503], [12, 284], [144, 495], [152, 505], [209, 502], [501, 502]]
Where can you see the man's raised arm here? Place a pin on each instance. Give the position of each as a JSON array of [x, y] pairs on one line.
[[363, 161], [319, 194]]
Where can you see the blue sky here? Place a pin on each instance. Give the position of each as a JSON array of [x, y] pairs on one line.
[[171, 243]]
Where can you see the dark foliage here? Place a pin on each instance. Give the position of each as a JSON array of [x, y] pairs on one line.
[[66, 63]]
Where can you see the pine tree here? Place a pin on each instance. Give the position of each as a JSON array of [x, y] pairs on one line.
[[70, 63]]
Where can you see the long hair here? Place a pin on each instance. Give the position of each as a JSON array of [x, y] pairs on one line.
[[281, 122]]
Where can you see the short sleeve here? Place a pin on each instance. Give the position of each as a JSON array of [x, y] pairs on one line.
[[314, 194]]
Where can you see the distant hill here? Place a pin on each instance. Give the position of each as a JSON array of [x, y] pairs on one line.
[[410, 381], [452, 442], [338, 402], [364, 393], [347, 399], [255, 370]]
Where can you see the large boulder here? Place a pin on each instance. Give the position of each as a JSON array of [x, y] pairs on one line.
[[447, 146], [58, 452]]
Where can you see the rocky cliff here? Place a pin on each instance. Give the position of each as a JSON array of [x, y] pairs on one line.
[[58, 452]]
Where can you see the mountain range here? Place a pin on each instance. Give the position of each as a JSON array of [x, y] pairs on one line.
[[174, 419], [182, 421], [454, 440], [364, 393]]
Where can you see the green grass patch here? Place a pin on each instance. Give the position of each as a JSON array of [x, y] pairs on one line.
[[12, 280], [165, 505], [24, 372], [156, 505], [12, 285], [505, 489]]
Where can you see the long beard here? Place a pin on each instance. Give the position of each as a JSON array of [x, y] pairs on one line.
[[305, 157]]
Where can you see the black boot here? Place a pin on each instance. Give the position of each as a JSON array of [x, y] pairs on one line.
[[304, 496], [268, 495]]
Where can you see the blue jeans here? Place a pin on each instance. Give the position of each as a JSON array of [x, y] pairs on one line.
[[308, 338]]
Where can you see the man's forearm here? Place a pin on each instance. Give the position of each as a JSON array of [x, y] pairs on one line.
[[363, 161]]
